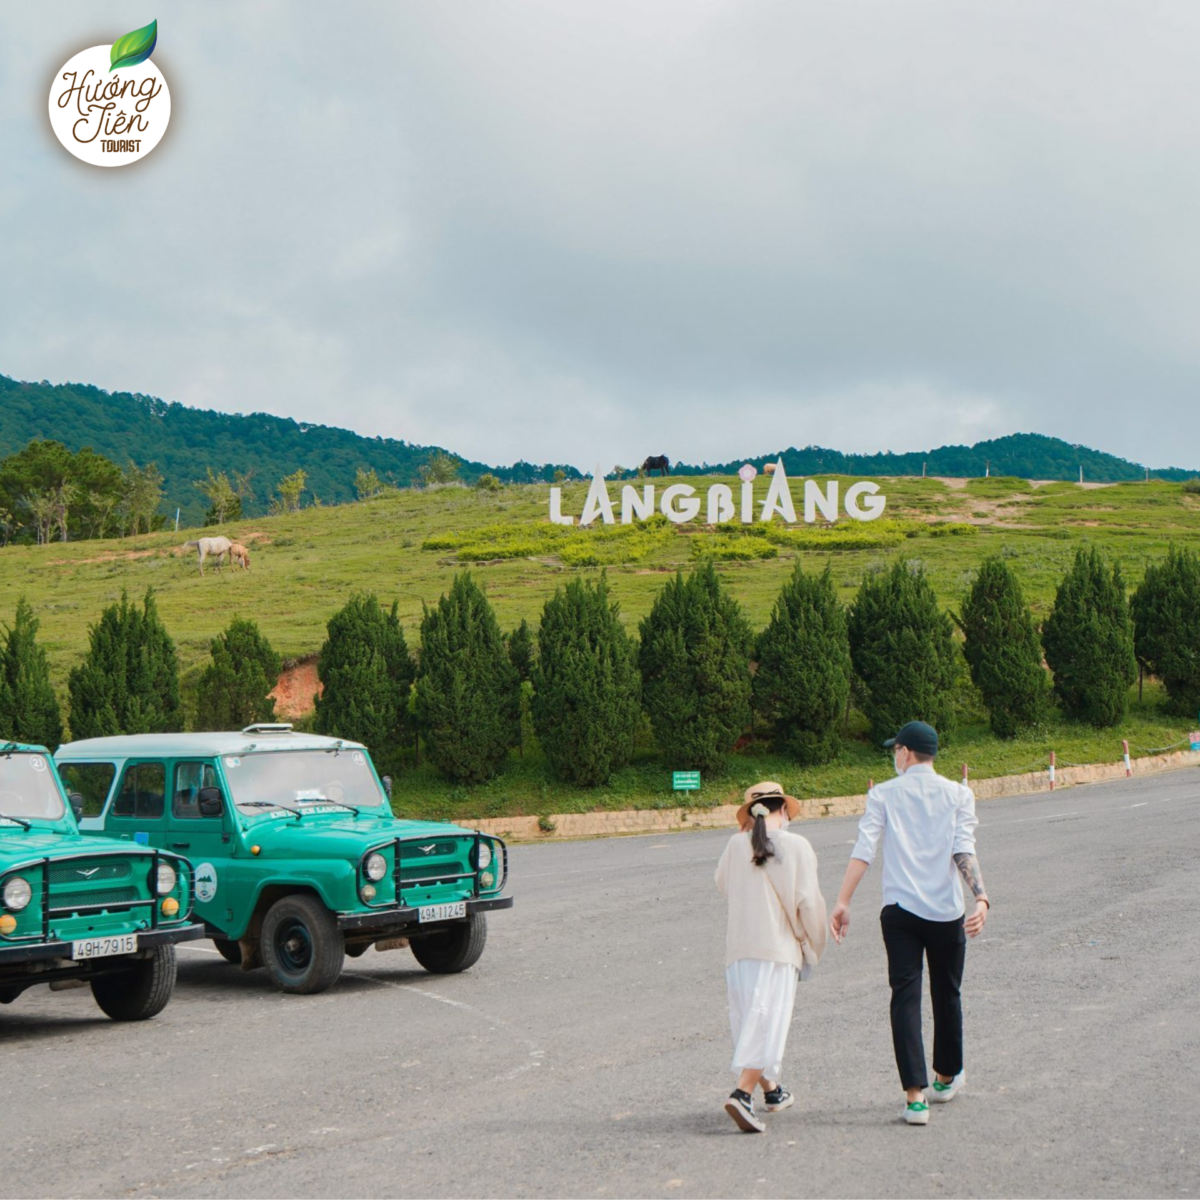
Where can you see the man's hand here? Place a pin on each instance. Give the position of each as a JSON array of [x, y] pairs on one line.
[[839, 922], [975, 922]]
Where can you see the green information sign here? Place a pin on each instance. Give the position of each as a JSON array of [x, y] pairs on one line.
[[685, 781]]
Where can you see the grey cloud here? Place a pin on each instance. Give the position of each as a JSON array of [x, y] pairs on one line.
[[593, 230]]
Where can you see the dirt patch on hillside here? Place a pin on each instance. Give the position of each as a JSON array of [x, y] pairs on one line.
[[111, 556], [298, 685]]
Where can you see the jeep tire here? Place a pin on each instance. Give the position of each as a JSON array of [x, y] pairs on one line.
[[140, 992], [231, 952], [302, 947], [454, 949]]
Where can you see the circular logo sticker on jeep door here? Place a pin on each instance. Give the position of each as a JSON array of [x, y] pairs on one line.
[[206, 882]]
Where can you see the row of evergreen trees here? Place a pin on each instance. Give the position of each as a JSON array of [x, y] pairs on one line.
[[696, 672]]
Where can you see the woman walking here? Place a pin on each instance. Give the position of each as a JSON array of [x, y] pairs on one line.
[[776, 929]]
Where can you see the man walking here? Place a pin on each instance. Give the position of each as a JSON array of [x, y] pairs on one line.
[[928, 827]]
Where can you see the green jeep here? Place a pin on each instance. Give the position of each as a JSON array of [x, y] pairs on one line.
[[299, 859], [76, 910]]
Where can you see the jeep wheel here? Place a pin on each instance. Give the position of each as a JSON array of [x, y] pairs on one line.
[[231, 952], [142, 991], [302, 947], [453, 950]]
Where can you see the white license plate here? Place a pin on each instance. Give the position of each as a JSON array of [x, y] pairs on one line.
[[442, 912], [103, 947]]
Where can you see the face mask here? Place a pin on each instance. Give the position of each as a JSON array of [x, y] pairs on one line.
[[897, 766]]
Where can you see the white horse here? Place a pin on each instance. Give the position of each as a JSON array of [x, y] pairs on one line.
[[210, 547]]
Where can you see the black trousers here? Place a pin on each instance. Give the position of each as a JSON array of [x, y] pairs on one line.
[[909, 939]]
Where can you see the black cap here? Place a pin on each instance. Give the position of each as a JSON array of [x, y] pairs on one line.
[[917, 737]]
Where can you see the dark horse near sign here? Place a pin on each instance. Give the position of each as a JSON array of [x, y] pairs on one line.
[[657, 462]]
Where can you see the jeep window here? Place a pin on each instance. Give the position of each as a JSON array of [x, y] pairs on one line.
[[28, 788], [299, 778], [141, 794], [190, 777], [92, 781]]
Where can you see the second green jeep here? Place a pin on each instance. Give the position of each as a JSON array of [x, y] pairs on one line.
[[298, 857]]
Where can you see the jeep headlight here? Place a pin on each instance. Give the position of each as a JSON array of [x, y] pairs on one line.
[[375, 868], [485, 856], [17, 893], [166, 879]]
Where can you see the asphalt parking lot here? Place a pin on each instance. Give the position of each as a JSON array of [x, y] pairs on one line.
[[588, 1052]]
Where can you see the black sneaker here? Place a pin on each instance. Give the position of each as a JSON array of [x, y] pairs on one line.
[[740, 1106], [777, 1098]]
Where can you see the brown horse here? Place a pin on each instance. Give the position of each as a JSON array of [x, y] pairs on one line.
[[239, 555]]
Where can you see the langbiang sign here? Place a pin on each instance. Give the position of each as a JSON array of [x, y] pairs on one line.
[[680, 502]]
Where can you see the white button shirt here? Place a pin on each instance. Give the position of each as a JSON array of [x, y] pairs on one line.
[[925, 820]]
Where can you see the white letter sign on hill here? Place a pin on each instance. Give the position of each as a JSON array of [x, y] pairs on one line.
[[679, 503]]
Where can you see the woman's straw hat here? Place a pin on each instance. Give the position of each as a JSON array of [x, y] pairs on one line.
[[768, 789]]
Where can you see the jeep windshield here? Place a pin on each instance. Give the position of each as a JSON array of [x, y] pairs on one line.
[[28, 789], [302, 780]]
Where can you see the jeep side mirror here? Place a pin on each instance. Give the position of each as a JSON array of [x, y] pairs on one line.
[[210, 802], [387, 785], [76, 804]]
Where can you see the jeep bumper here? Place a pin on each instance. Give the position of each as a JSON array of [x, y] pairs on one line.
[[399, 920], [147, 940]]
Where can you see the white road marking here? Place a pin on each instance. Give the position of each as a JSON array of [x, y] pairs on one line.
[[197, 949], [1141, 805]]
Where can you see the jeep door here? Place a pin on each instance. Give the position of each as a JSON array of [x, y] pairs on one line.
[[205, 839]]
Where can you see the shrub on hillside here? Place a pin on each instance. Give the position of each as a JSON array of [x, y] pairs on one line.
[[29, 710], [520, 650], [1192, 487], [902, 647], [366, 674], [803, 678], [1003, 651], [1088, 639], [1166, 627], [586, 687], [234, 689], [695, 664], [128, 681], [467, 698]]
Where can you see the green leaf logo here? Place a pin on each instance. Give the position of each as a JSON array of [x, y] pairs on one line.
[[134, 47]]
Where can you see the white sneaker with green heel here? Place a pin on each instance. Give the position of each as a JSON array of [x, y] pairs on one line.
[[943, 1093]]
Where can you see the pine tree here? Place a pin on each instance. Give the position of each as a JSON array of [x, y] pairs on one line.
[[695, 664], [1088, 639], [366, 675], [902, 647], [520, 650], [587, 691], [803, 677], [128, 681], [1166, 627], [234, 688], [1003, 651], [29, 710], [467, 698]]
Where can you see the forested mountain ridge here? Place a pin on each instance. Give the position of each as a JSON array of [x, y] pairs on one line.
[[184, 441], [1025, 455]]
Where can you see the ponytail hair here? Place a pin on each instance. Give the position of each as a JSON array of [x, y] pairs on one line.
[[760, 841]]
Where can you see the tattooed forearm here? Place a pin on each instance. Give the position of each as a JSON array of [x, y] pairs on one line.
[[968, 868]]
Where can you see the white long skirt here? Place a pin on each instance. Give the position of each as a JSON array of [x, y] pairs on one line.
[[761, 996]]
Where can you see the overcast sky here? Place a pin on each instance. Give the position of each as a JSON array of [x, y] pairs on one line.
[[592, 230]]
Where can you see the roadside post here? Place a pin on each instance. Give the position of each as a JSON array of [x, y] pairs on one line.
[[1052, 770], [1125, 757]]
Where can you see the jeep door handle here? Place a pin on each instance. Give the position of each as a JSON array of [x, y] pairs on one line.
[[180, 845]]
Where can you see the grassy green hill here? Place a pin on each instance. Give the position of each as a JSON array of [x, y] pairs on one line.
[[408, 544]]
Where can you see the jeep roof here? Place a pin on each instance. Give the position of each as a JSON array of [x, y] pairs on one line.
[[252, 739]]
